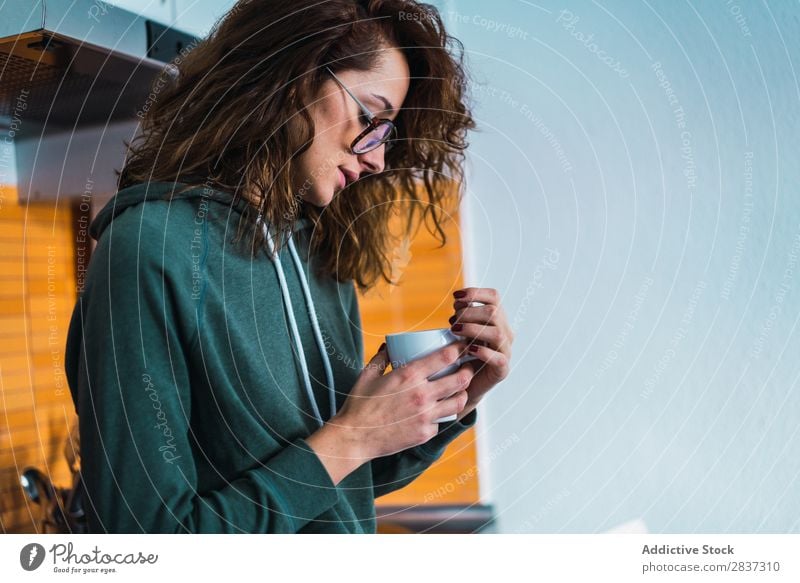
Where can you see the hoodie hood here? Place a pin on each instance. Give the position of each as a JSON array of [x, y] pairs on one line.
[[152, 191]]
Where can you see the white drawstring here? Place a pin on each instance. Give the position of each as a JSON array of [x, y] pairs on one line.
[[312, 312], [292, 321]]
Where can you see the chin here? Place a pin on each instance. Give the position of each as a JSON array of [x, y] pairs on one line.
[[319, 199]]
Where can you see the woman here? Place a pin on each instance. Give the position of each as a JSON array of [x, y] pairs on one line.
[[219, 377]]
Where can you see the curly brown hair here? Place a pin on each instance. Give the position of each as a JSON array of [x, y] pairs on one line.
[[232, 114]]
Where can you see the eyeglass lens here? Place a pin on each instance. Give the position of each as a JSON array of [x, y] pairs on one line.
[[374, 138]]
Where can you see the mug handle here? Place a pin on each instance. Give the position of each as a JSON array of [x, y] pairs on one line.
[[466, 358]]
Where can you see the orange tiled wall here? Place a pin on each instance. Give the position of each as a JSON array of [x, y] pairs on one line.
[[37, 293], [429, 276]]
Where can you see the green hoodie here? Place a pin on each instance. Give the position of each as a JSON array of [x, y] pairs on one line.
[[192, 398]]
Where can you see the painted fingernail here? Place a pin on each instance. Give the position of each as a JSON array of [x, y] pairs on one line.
[[459, 294], [382, 347], [452, 319], [459, 305], [457, 327], [473, 347]]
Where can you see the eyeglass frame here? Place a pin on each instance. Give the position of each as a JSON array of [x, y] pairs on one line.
[[374, 121]]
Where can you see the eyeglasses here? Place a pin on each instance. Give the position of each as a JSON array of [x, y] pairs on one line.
[[378, 131]]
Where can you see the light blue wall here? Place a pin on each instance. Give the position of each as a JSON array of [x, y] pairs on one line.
[[647, 250], [193, 16]]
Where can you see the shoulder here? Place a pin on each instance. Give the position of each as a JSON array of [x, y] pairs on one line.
[[349, 295], [151, 228]]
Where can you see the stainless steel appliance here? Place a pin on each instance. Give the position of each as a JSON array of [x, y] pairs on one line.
[[74, 76]]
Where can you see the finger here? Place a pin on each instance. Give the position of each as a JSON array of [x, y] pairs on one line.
[[485, 295], [453, 405], [490, 314], [493, 361], [439, 359], [456, 381], [476, 314], [378, 363], [488, 334]]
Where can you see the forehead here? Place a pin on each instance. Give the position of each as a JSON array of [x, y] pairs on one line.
[[389, 78]]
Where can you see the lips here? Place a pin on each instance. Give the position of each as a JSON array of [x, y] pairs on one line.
[[347, 177], [342, 179]]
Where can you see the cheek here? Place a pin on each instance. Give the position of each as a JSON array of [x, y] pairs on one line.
[[316, 159], [315, 166], [304, 175], [326, 152], [331, 142], [333, 125]]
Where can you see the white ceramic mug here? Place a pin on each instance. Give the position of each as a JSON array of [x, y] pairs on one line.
[[405, 347]]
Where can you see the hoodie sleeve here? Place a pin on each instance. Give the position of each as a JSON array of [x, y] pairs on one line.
[[127, 354], [396, 471], [390, 473]]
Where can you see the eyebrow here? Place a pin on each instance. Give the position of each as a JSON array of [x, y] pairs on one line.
[[388, 106]]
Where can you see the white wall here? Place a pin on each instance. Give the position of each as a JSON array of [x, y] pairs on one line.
[[643, 224]]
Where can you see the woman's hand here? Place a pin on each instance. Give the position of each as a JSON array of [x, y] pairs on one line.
[[488, 328], [387, 413]]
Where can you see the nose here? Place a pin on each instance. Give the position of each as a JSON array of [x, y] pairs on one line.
[[373, 161]]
